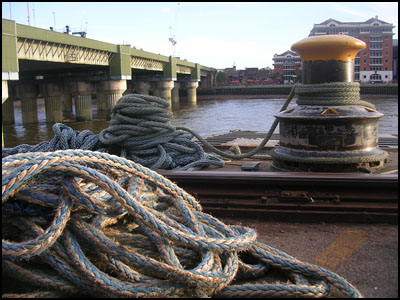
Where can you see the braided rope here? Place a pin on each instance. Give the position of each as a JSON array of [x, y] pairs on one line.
[[87, 223], [355, 157], [64, 138], [140, 130], [332, 94], [255, 150]]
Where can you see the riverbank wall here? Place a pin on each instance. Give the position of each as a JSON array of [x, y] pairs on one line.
[[373, 89]]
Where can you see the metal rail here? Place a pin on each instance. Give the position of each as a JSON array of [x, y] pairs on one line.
[[292, 196]]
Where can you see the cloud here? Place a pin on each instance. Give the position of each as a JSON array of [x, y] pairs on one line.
[[343, 8], [387, 11], [165, 10], [362, 11]]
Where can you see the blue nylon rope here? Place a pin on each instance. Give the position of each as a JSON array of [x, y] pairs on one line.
[[127, 231]]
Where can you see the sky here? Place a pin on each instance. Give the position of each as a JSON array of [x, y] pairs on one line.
[[214, 34]]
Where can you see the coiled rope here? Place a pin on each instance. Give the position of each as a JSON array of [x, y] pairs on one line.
[[64, 138], [87, 223], [331, 94], [140, 130]]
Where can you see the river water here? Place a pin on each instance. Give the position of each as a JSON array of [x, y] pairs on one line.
[[208, 117]]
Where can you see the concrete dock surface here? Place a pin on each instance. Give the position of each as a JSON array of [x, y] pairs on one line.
[[363, 254]]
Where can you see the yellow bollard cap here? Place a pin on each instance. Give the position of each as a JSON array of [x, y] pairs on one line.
[[328, 47]]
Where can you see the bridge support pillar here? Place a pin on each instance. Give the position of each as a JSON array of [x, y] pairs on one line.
[[130, 86], [83, 101], [67, 99], [113, 90], [53, 102], [142, 87], [175, 93], [67, 103], [101, 97], [28, 103], [7, 109], [165, 88], [191, 91], [4, 96], [155, 89]]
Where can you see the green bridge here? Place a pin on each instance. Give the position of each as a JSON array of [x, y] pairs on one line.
[[60, 67]]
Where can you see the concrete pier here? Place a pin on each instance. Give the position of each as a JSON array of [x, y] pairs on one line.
[[130, 86], [165, 87], [101, 96], [155, 89], [4, 96], [53, 102], [113, 90], [67, 99], [4, 91], [191, 87], [7, 109], [28, 103], [142, 87], [83, 101], [175, 93]]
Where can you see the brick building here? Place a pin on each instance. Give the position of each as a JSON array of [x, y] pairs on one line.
[[287, 65], [375, 62]]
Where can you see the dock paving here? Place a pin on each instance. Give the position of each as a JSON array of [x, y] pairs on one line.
[[365, 255]]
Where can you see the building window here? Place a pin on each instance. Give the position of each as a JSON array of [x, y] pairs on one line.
[[375, 68], [376, 53], [376, 46], [375, 77], [375, 61], [376, 39]]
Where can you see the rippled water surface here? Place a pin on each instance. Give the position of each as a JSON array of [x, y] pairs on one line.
[[208, 117]]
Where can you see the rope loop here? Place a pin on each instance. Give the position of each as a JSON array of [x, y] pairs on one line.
[[103, 226], [331, 94], [140, 130], [64, 138]]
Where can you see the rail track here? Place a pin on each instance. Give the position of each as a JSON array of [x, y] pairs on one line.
[[291, 196]]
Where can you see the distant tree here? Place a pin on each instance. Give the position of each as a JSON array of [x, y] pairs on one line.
[[221, 78]]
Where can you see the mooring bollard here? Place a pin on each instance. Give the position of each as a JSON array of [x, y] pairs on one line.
[[330, 129]]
